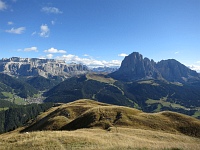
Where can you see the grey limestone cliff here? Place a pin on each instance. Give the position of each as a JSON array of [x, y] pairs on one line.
[[48, 68]]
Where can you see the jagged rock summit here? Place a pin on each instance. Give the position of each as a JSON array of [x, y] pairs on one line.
[[48, 68], [135, 67]]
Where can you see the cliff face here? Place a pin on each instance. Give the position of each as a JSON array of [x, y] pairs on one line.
[[44, 67], [135, 67]]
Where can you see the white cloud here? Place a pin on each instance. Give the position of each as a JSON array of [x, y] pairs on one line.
[[16, 30], [54, 50], [44, 31], [50, 56], [3, 5], [53, 10], [10, 23], [31, 49], [122, 55], [195, 67], [89, 61], [198, 62]]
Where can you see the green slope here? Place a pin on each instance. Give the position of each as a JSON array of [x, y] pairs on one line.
[[40, 83], [149, 95], [15, 86]]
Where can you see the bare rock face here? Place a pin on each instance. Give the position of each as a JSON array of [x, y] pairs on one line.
[[134, 67], [174, 71], [44, 67]]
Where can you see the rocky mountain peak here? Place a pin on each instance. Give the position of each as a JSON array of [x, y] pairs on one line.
[[135, 67]]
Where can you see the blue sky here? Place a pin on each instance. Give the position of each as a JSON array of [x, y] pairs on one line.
[[101, 32]]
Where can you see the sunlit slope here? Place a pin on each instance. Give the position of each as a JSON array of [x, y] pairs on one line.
[[91, 114], [119, 138]]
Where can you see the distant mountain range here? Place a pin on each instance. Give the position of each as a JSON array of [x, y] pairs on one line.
[[139, 82], [49, 68], [135, 67]]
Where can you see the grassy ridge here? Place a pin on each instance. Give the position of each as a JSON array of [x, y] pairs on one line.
[[91, 114], [104, 126]]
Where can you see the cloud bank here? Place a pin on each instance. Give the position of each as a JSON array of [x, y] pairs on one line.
[[50, 56], [195, 67], [54, 50], [90, 62]]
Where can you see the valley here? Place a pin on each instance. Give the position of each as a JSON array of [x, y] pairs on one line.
[[99, 74]]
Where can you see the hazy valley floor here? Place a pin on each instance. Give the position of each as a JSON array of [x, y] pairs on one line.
[[116, 138]]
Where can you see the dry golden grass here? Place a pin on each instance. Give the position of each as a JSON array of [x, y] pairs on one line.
[[89, 114], [115, 138], [97, 125]]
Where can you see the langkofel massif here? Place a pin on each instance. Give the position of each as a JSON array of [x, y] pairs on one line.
[[135, 67]]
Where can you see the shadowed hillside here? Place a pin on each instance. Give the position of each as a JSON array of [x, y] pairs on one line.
[[146, 95], [12, 85]]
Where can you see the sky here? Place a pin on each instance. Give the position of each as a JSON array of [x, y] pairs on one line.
[[101, 32]]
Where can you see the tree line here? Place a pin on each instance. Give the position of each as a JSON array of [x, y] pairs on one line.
[[19, 115]]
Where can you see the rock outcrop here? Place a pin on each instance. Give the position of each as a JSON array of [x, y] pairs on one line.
[[135, 67], [48, 68]]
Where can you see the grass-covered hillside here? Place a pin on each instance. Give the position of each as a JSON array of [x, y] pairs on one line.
[[90, 114], [147, 95], [12, 86], [41, 83], [87, 124]]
